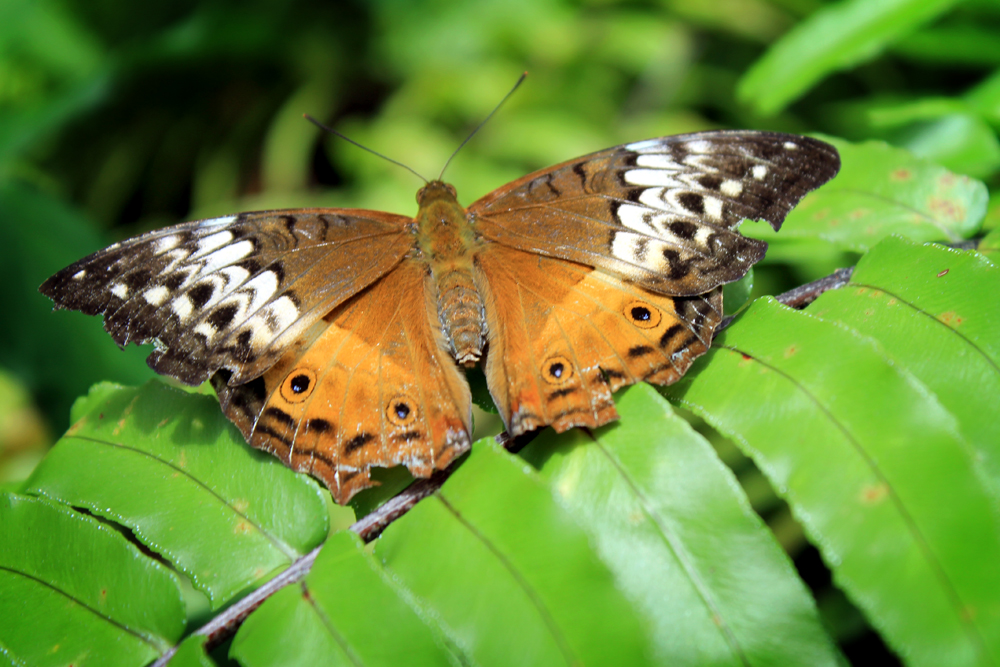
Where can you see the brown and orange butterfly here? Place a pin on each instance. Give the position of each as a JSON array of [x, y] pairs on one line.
[[334, 337]]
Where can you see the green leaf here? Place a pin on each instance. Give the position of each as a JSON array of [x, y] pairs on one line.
[[934, 310], [836, 37], [873, 466], [74, 591], [169, 466], [191, 653], [508, 574], [990, 245], [961, 142], [735, 295], [672, 524], [347, 611], [880, 191]]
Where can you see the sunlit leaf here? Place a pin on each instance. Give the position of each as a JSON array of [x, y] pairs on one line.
[[346, 611], [74, 591], [673, 526], [934, 310], [868, 458], [508, 574], [168, 465]]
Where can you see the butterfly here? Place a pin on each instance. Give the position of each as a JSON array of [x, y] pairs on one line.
[[335, 338]]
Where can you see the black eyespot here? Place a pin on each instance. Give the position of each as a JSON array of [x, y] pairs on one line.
[[642, 314], [557, 369], [401, 410], [298, 385]]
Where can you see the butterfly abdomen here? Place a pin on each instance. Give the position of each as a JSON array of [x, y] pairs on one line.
[[448, 242]]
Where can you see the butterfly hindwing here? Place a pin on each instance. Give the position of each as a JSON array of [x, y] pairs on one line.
[[371, 384], [564, 336], [662, 213], [231, 293]]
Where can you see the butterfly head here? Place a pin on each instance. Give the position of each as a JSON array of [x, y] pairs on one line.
[[435, 191]]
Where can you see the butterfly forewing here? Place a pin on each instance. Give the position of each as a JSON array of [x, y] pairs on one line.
[[663, 212], [231, 292]]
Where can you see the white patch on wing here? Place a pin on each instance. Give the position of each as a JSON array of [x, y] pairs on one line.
[[644, 146], [651, 177], [214, 222], [790, 145], [156, 295], [638, 218], [759, 171], [166, 243], [119, 290], [230, 254], [640, 250], [713, 207], [206, 330], [658, 161], [699, 146], [731, 188], [235, 276], [79, 274], [213, 242], [701, 236], [182, 307], [625, 246], [653, 197], [284, 312], [263, 286]]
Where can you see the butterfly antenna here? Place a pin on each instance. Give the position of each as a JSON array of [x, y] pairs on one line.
[[362, 146], [478, 127]]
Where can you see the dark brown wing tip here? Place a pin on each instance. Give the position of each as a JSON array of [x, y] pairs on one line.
[[818, 166]]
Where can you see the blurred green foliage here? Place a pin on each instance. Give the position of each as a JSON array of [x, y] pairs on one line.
[[117, 117]]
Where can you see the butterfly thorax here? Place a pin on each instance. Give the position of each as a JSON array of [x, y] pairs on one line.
[[448, 242]]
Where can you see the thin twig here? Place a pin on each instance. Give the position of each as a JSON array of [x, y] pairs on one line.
[[371, 526], [803, 295]]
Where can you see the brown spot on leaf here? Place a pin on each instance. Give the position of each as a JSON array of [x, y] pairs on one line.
[[942, 274], [901, 175], [791, 351], [876, 493], [950, 318], [946, 209]]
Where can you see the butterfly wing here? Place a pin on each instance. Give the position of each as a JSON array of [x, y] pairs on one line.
[[371, 384], [234, 292], [563, 337], [662, 213]]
